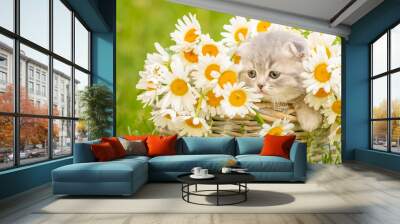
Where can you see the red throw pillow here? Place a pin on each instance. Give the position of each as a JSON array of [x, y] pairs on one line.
[[116, 145], [103, 152], [277, 145], [161, 145]]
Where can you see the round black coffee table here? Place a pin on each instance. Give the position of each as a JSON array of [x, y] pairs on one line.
[[238, 179]]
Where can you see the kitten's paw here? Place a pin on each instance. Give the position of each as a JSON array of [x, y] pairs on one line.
[[308, 118]]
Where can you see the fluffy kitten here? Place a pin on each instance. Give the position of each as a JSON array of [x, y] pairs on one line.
[[272, 64]]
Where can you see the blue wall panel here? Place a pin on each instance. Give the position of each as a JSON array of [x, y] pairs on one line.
[[356, 83], [24, 178]]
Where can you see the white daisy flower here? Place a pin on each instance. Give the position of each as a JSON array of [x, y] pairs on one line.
[[280, 127], [239, 100], [161, 57], [209, 47], [237, 31], [321, 71], [230, 75], [316, 40], [150, 84], [332, 110], [260, 26], [193, 126], [164, 118], [212, 104], [318, 99], [187, 33], [209, 69], [179, 94]]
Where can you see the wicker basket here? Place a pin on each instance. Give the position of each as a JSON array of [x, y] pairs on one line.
[[248, 126]]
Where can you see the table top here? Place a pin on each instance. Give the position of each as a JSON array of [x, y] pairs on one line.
[[220, 178]]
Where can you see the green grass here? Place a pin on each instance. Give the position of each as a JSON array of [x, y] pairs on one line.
[[141, 23]]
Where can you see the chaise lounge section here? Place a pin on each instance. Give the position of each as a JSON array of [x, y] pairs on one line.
[[125, 176]]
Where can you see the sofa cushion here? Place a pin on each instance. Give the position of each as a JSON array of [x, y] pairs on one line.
[[161, 145], [116, 145], [103, 152], [257, 163], [277, 145], [185, 163], [210, 145], [249, 145], [112, 171]]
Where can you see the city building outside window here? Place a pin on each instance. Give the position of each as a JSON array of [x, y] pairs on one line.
[[45, 99]]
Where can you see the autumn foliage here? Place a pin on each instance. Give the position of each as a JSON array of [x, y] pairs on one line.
[[33, 131]]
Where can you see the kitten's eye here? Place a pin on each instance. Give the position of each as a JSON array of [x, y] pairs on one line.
[[252, 74], [274, 74]]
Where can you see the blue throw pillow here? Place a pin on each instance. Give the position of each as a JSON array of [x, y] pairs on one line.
[[208, 145], [249, 145]]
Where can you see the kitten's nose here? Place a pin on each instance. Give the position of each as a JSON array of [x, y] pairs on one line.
[[260, 86]]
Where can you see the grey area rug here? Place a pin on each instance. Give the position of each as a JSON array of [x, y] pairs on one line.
[[166, 198]]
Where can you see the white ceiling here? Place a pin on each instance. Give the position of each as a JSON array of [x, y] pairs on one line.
[[317, 15]]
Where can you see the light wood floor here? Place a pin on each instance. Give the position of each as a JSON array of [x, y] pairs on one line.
[[379, 189]]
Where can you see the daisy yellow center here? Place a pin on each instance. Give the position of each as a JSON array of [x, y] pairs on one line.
[[168, 117], [337, 107], [213, 100], [211, 68], [190, 56], [278, 131], [263, 26], [236, 58], [238, 98], [321, 73], [227, 77], [191, 36], [240, 33], [210, 49], [321, 93], [179, 87], [189, 122]]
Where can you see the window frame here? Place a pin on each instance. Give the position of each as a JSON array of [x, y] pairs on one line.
[[16, 114], [388, 74]]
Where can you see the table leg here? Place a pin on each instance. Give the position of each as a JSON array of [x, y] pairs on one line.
[[195, 188], [245, 193], [217, 194]]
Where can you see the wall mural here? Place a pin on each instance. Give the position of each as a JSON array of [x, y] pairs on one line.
[[252, 78]]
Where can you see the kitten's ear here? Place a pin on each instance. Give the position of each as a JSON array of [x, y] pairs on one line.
[[297, 48]]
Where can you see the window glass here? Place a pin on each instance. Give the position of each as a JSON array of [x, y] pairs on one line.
[[81, 131], [395, 47], [379, 98], [38, 62], [395, 136], [379, 135], [395, 94], [81, 82], [34, 21], [62, 29], [6, 142], [62, 89], [6, 74], [7, 14], [379, 56], [33, 140], [81, 45], [62, 138]]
